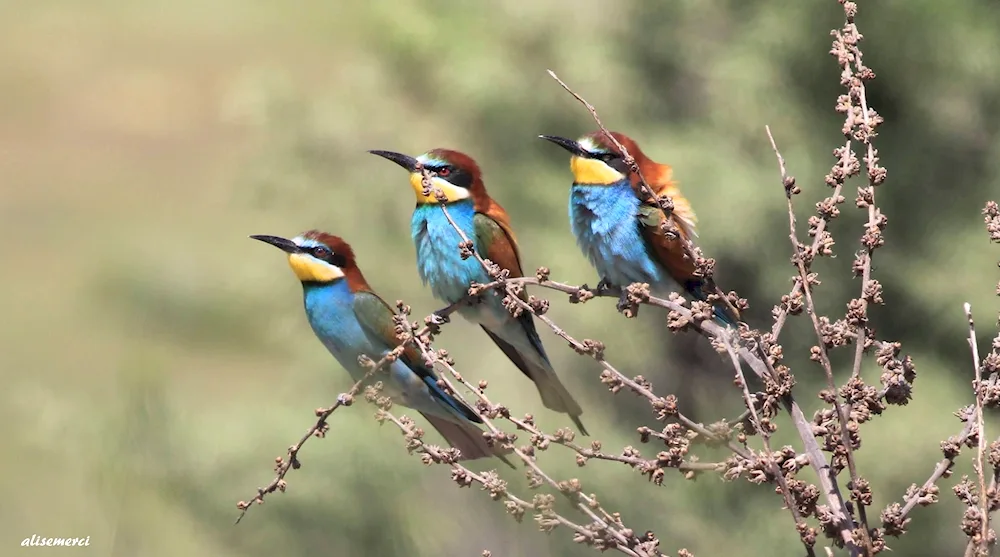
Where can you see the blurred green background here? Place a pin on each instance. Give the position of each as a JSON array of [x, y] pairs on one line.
[[155, 360]]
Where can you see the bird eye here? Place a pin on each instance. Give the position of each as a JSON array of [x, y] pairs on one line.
[[321, 252], [444, 171]]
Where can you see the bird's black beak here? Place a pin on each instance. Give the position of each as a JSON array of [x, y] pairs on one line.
[[568, 144], [283, 244], [406, 161]]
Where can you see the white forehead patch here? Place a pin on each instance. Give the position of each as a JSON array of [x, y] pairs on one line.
[[588, 144], [429, 160], [304, 242]]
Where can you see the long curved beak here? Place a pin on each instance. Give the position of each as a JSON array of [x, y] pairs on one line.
[[568, 144], [406, 161], [283, 244]]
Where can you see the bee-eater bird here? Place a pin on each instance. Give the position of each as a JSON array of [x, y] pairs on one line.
[[350, 320], [620, 234], [441, 265]]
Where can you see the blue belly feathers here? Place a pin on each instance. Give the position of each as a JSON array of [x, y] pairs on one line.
[[438, 260], [604, 222]]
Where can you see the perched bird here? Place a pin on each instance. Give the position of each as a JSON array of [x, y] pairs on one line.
[[620, 234], [440, 264], [351, 320]]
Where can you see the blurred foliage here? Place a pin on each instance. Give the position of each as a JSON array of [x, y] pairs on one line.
[[155, 360]]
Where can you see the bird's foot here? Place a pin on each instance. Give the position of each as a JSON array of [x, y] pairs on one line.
[[631, 297], [604, 285], [443, 315], [627, 306]]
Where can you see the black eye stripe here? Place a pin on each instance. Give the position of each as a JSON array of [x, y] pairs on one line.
[[325, 254], [614, 161], [618, 164], [453, 175]]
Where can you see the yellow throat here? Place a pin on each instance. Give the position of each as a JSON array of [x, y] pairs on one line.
[[593, 171], [451, 191], [310, 269]]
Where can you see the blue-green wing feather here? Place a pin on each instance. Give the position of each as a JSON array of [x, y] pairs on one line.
[[375, 317], [495, 241]]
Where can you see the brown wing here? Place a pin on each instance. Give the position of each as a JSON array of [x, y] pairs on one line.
[[660, 179], [671, 252], [668, 249], [496, 237]]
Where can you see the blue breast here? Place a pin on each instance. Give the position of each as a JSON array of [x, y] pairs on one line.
[[330, 309], [604, 220], [438, 261]]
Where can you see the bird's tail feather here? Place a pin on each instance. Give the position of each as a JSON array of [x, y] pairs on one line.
[[553, 393], [555, 396], [467, 438], [723, 311]]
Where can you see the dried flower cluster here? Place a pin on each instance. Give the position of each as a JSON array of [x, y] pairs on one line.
[[831, 512]]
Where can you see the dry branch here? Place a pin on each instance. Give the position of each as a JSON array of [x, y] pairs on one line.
[[835, 429]]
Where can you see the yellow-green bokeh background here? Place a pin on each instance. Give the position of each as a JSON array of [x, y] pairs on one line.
[[155, 360]]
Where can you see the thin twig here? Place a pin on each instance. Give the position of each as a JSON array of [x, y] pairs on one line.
[[628, 158], [941, 469], [291, 461], [547, 517], [765, 436], [926, 494], [564, 436], [981, 428], [824, 357], [876, 175], [283, 465]]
